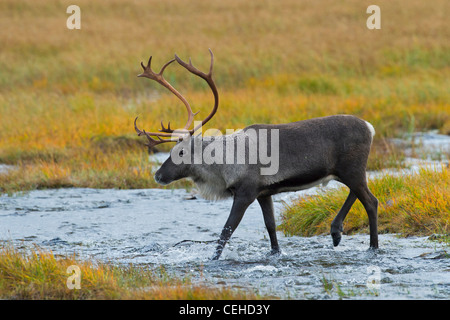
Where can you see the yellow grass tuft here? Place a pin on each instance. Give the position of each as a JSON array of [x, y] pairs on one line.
[[38, 274]]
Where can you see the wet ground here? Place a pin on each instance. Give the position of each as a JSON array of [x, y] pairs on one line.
[[146, 227]]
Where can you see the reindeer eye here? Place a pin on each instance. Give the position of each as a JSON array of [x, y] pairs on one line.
[[181, 153]]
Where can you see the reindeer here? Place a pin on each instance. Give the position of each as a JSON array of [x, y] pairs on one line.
[[310, 152]]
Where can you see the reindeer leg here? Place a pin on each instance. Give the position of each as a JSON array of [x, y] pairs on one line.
[[358, 186], [370, 203], [336, 225], [240, 205], [266, 204]]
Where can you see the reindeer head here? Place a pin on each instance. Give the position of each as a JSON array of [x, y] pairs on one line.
[[174, 170]]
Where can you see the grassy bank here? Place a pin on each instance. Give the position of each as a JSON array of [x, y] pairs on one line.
[[38, 274], [68, 98], [413, 204]]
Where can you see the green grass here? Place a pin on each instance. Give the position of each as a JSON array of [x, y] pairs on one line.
[[336, 289], [412, 204]]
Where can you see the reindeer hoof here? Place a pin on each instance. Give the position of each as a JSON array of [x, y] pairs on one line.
[[275, 252], [336, 234], [336, 238]]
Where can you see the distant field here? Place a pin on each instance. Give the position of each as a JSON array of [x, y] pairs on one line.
[[68, 98]]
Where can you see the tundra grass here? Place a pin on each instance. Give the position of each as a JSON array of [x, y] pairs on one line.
[[410, 204], [39, 274], [68, 98]]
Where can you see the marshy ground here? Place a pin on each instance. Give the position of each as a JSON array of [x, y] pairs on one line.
[[122, 228]]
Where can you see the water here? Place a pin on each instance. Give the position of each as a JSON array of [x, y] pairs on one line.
[[5, 168], [144, 227], [425, 145]]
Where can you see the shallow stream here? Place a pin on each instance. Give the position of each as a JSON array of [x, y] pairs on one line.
[[144, 227]]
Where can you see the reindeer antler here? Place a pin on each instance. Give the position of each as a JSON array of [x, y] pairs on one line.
[[158, 77], [208, 78]]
